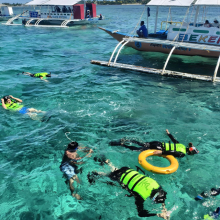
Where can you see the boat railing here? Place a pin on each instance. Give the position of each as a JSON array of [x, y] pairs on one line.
[[169, 22]]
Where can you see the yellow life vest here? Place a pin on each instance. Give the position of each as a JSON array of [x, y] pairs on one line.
[[13, 106], [175, 147], [139, 183]]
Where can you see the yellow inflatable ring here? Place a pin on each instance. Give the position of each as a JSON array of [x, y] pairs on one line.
[[161, 170]]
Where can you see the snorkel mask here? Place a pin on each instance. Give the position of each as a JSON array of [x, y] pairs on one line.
[[160, 197]]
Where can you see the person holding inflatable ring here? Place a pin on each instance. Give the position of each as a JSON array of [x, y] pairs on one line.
[[175, 149]]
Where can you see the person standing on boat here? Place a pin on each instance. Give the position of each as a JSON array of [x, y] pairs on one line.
[[175, 149], [69, 164], [142, 32]]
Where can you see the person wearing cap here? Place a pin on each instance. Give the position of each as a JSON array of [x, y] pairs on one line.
[[142, 32], [38, 75], [139, 186], [175, 149], [100, 17], [69, 164], [11, 103], [216, 23]]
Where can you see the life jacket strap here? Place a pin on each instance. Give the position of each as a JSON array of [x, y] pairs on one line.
[[137, 182], [125, 176]]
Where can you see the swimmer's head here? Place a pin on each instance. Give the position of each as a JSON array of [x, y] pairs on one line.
[[73, 145], [100, 158], [160, 196], [191, 150], [7, 99], [48, 75]]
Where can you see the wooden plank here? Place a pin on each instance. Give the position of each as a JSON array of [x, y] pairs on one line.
[[155, 71]]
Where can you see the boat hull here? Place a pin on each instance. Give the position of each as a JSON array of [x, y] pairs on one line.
[[151, 47]]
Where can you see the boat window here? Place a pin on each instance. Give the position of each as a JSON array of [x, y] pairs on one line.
[[179, 29], [201, 31]]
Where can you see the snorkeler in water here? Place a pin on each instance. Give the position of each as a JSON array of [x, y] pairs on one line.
[[139, 186], [212, 192], [213, 215], [69, 164], [42, 76], [11, 103], [175, 149]]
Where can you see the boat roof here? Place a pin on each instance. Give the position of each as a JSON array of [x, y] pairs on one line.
[[208, 3], [2, 5], [183, 3], [53, 2]]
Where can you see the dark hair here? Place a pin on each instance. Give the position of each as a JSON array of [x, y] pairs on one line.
[[6, 97], [48, 75], [100, 158], [142, 22], [73, 145], [190, 144], [206, 21], [161, 197]]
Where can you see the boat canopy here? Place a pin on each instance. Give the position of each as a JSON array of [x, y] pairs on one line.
[[53, 2], [183, 3], [37, 2], [208, 3]]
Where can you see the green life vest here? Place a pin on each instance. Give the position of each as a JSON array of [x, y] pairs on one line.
[[138, 183], [208, 217], [41, 75], [13, 106], [174, 147]]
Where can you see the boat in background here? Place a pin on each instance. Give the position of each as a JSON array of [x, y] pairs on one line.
[[181, 38], [6, 12], [51, 15]]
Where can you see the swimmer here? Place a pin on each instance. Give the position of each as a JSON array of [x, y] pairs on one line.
[[69, 164], [139, 186], [42, 76], [212, 192], [175, 149], [11, 103], [213, 215]]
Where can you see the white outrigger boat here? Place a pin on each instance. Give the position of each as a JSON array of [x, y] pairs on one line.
[[182, 38], [57, 13], [6, 12]]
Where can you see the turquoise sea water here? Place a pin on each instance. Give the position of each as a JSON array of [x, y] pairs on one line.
[[97, 104]]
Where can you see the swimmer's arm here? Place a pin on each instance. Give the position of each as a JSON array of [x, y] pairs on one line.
[[84, 149], [3, 104], [19, 100], [42, 78], [139, 202], [26, 73], [76, 160], [171, 137]]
